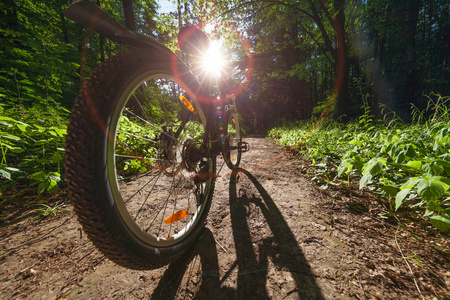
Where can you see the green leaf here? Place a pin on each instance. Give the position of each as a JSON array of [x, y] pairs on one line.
[[409, 151], [55, 176], [442, 180], [400, 197], [415, 164], [442, 163], [428, 213], [52, 186], [3, 118], [365, 180], [5, 174], [430, 190], [374, 166], [400, 158], [433, 169], [11, 137], [346, 167], [60, 132], [22, 127], [389, 191], [444, 136], [38, 176], [42, 186], [12, 169], [446, 212], [6, 124], [440, 222], [410, 183], [358, 162], [16, 149], [41, 142], [56, 157]]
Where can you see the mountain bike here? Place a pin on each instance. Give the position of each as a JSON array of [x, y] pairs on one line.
[[141, 148]]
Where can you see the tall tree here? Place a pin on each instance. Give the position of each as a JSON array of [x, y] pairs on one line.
[[371, 46], [325, 25], [101, 41], [130, 22]]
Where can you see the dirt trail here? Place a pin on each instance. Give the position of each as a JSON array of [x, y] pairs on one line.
[[271, 234]]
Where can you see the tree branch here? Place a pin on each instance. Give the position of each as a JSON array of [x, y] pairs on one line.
[[274, 2], [321, 48], [326, 10], [322, 29]]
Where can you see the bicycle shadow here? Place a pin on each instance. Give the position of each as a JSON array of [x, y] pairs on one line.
[[281, 248], [184, 266]]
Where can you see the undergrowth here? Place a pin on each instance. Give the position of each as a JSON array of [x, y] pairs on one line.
[[407, 164], [32, 147]]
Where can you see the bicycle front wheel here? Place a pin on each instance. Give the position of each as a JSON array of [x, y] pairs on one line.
[[139, 169]]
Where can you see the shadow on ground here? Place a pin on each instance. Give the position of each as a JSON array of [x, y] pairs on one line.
[[251, 264]]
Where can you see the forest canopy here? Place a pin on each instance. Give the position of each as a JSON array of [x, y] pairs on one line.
[[307, 56]]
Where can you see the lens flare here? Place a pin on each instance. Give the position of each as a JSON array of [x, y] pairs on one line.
[[214, 62]]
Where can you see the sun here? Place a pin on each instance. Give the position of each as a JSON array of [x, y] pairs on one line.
[[213, 62]]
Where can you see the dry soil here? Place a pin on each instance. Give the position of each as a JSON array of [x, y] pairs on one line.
[[271, 234]]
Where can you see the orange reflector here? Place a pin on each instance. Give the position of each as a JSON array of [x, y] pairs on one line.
[[233, 159], [187, 103], [233, 121], [175, 217]]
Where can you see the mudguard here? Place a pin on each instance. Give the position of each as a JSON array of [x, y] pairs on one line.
[[91, 16]]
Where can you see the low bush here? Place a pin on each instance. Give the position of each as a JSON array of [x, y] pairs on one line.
[[407, 164]]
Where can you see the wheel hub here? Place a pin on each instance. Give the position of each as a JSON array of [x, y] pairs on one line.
[[190, 155]]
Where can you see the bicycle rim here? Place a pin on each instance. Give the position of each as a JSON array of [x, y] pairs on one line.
[[160, 172]]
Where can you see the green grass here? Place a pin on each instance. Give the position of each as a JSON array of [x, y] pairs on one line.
[[407, 164]]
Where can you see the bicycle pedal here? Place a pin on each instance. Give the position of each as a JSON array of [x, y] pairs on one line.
[[243, 147]]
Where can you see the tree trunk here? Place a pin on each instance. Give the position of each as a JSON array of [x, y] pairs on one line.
[[101, 42], [129, 14], [179, 15], [342, 69], [412, 85], [10, 14], [64, 27]]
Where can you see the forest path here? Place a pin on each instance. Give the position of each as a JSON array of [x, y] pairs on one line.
[[271, 234]]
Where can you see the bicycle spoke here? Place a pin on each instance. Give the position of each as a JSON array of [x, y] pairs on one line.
[[140, 105], [163, 209], [135, 157], [136, 136], [148, 123], [148, 196], [140, 118], [173, 209], [132, 177], [140, 189]]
